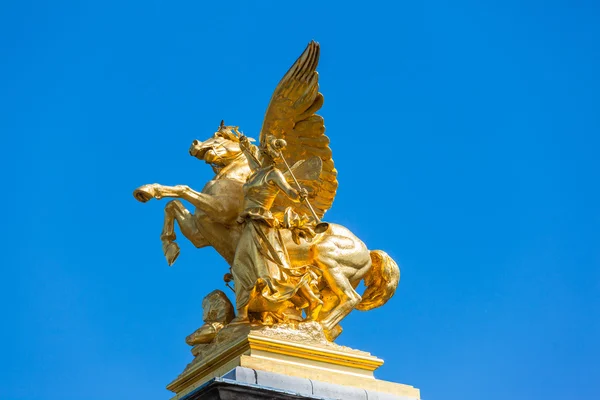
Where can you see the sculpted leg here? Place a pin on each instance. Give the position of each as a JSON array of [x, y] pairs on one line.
[[242, 316], [315, 303], [327, 257], [216, 207], [348, 298], [174, 210]]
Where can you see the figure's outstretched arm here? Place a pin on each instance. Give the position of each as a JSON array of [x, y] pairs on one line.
[[296, 195]]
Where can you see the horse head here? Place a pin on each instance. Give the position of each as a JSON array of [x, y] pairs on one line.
[[219, 150], [222, 151]]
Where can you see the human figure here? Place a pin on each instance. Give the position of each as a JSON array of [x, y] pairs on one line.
[[261, 263]]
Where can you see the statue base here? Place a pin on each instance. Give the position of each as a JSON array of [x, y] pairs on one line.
[[293, 359]]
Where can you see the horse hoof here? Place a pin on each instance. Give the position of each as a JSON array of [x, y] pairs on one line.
[[144, 193], [171, 251]]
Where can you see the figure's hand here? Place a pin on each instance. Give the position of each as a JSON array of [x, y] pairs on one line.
[[244, 141], [279, 144], [303, 194]]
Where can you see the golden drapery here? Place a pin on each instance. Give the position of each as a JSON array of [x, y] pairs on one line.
[[262, 262]]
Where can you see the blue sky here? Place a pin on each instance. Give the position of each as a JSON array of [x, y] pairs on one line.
[[466, 138]]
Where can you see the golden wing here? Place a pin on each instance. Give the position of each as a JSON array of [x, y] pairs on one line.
[[291, 115]]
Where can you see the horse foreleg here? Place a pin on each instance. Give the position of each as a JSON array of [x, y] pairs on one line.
[[175, 211], [219, 209]]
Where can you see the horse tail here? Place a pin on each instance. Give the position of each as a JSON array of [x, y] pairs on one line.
[[381, 281]]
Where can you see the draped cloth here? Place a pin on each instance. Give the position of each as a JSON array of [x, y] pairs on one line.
[[261, 261]]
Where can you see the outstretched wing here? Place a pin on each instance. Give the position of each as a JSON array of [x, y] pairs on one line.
[[291, 115]]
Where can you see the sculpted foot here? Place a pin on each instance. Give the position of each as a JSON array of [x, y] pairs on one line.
[[171, 251], [205, 334], [241, 317], [145, 193]]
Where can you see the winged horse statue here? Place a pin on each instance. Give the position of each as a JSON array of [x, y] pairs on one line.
[[341, 258]]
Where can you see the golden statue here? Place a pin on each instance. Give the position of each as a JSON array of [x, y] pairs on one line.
[[262, 264], [261, 212]]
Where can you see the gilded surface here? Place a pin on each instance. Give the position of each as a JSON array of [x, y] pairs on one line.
[[218, 312], [262, 213], [293, 349]]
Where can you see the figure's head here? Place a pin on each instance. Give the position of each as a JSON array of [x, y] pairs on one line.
[[221, 149], [270, 150]]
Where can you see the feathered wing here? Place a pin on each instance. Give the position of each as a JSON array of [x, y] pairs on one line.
[[291, 115]]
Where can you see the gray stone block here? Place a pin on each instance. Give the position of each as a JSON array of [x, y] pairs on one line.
[[293, 386], [332, 391], [241, 374], [385, 396], [279, 381]]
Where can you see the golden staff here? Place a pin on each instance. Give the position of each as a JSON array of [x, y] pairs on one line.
[[321, 226]]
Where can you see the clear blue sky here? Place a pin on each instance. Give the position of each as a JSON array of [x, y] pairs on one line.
[[466, 138]]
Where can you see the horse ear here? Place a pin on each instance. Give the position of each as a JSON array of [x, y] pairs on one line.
[[222, 124]]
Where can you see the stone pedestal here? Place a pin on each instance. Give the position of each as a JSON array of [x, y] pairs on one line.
[[283, 361]]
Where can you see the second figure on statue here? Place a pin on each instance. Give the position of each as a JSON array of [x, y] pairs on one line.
[[261, 266]]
